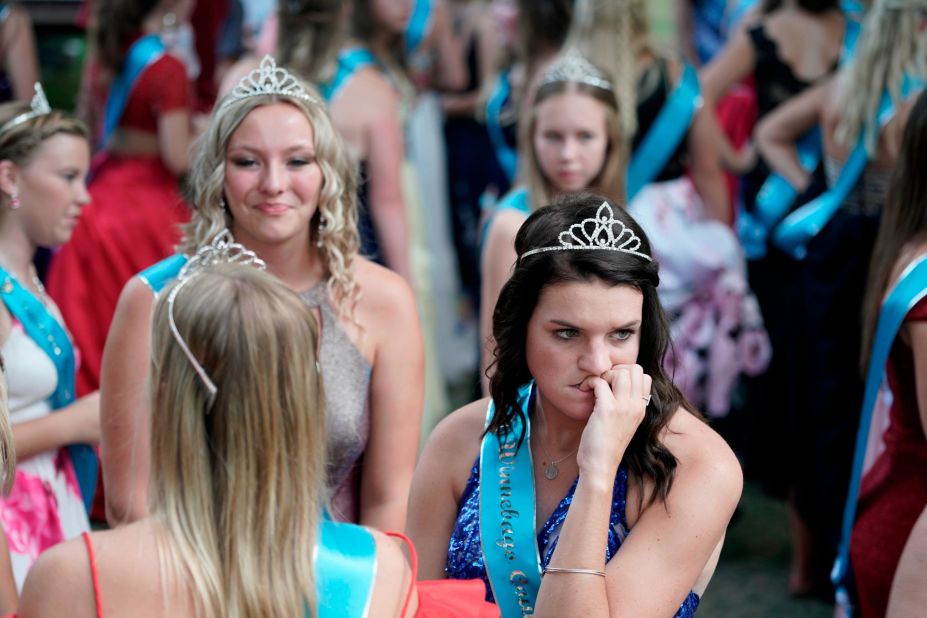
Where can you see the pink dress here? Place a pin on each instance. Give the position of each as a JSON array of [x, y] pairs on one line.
[[44, 506]]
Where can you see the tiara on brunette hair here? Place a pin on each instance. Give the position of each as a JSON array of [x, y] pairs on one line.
[[602, 233], [222, 250], [39, 107], [267, 79], [573, 67]]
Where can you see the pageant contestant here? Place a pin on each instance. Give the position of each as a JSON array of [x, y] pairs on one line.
[[44, 157], [605, 491], [8, 594], [271, 172], [236, 525]]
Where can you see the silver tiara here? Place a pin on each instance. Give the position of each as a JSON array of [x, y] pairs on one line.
[[39, 105], [267, 79], [573, 67], [222, 250], [604, 232]]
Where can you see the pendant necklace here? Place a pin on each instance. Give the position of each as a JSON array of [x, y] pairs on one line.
[[551, 471]]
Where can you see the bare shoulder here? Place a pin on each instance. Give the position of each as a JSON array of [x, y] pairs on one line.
[[136, 296], [504, 226], [703, 456], [384, 295], [394, 576], [368, 84], [455, 442], [59, 583]]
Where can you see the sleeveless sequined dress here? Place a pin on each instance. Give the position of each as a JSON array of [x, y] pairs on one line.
[[465, 556]]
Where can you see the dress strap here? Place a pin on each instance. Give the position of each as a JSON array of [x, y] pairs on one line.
[[413, 558], [93, 574]]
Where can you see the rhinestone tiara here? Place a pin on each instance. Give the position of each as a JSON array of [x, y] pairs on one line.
[[39, 107], [222, 250], [268, 78], [573, 67], [602, 233]]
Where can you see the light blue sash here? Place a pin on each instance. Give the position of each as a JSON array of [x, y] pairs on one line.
[[911, 288], [157, 276], [143, 53], [47, 333], [505, 154], [349, 62], [507, 514], [345, 570], [794, 233], [666, 133], [777, 195], [419, 24]]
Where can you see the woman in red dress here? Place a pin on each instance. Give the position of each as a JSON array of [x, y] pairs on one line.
[[136, 206]]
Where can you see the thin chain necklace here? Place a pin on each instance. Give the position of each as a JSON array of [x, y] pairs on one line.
[[551, 471]]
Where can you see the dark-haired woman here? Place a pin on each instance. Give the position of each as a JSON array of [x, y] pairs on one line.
[[894, 491], [144, 134], [583, 440]]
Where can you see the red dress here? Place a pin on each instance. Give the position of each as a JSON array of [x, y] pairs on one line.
[[131, 223], [893, 492]]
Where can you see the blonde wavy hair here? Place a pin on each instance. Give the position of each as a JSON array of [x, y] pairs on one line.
[[334, 225], [610, 180], [7, 450], [238, 491], [890, 46]]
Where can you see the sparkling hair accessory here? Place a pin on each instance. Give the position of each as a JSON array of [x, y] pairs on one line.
[[268, 78], [603, 233], [40, 107], [222, 250], [573, 67]]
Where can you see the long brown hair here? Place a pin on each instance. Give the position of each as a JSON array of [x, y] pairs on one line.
[[311, 33], [115, 23], [904, 218], [646, 456]]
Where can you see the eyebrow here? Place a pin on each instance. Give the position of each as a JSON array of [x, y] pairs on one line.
[[631, 324]]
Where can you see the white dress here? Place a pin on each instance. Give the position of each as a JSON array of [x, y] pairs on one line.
[[44, 506]]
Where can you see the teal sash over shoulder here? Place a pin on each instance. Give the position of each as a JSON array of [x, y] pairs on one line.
[[910, 289], [666, 132], [777, 195], [142, 54], [345, 570], [159, 275], [507, 514], [505, 154], [349, 62], [418, 26], [49, 334], [517, 199], [794, 233]]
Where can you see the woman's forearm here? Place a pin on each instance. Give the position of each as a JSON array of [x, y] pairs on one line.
[[581, 545]]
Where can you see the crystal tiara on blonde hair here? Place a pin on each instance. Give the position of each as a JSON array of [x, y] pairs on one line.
[[268, 79], [602, 233], [39, 107], [573, 67], [222, 250]]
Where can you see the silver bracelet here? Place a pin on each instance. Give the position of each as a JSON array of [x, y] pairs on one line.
[[580, 571]]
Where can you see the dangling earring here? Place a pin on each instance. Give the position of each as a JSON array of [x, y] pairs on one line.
[[14, 202], [223, 205]]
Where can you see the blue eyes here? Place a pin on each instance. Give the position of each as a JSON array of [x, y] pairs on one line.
[[565, 333]]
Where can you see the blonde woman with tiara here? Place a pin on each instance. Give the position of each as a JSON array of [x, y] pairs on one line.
[[862, 113], [236, 524], [271, 171]]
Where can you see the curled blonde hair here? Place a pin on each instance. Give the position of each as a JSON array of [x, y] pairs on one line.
[[7, 449], [334, 225], [239, 484], [889, 47]]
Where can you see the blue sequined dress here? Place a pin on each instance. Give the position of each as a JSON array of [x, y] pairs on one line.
[[465, 556]]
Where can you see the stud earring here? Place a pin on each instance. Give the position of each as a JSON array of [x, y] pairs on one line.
[[14, 202]]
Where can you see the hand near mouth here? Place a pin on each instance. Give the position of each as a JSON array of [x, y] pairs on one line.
[[621, 398]]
